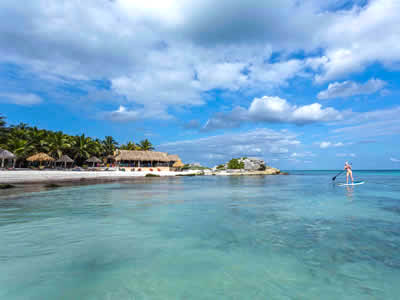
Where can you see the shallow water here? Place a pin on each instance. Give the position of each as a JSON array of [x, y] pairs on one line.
[[273, 237]]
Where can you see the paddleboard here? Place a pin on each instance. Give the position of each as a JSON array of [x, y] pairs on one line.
[[354, 183]]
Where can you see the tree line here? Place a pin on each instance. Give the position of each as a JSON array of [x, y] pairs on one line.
[[24, 141]]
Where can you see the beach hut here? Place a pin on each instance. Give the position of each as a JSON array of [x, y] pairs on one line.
[[40, 157], [6, 155], [178, 165], [65, 159], [94, 160], [142, 159]]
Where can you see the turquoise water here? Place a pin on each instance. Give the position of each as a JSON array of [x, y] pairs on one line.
[[274, 237]]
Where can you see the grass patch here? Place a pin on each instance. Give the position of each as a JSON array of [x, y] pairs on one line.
[[6, 186]]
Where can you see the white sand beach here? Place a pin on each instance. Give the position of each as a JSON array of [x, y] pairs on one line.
[[30, 176]]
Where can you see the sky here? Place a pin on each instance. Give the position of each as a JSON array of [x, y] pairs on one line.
[[303, 84]]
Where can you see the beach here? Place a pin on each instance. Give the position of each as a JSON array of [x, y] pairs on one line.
[[30, 176]]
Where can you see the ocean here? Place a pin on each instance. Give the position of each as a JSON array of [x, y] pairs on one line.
[[206, 237]]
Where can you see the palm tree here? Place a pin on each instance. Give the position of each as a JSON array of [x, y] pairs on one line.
[[3, 130], [37, 139], [19, 147], [129, 146], [82, 148], [145, 145], [109, 145], [56, 143]]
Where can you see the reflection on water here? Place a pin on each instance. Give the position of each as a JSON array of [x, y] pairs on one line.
[[273, 237]]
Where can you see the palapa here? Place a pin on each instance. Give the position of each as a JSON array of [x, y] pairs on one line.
[[5, 154], [137, 155], [65, 159], [93, 160], [173, 157], [40, 157], [178, 164]]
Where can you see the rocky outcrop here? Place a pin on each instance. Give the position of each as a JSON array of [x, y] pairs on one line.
[[253, 164]]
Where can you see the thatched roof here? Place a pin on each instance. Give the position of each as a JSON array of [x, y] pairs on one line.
[[178, 164], [65, 159], [173, 157], [142, 155], [5, 154], [94, 159], [40, 157]]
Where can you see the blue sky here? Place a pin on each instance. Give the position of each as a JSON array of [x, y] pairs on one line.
[[302, 84]]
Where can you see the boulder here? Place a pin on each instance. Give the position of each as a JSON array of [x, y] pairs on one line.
[[253, 163]]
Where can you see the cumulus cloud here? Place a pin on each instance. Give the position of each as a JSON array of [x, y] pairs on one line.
[[170, 54], [381, 122], [274, 110], [20, 99], [122, 114], [350, 41], [349, 88], [324, 145], [265, 143]]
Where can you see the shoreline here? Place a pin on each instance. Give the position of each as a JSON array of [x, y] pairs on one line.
[[38, 177]]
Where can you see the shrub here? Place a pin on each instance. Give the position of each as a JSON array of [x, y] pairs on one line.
[[235, 164], [220, 167]]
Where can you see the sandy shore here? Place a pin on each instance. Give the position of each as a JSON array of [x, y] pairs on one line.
[[29, 176]]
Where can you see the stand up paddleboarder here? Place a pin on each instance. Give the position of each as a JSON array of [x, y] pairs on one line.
[[347, 167]]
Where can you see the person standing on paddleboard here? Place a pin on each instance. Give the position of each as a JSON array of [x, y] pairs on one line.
[[347, 167]]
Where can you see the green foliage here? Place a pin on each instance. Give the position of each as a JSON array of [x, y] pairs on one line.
[[109, 145], [235, 164], [220, 167], [152, 175], [129, 146], [145, 145], [24, 141]]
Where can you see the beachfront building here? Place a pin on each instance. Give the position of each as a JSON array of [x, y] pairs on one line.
[[135, 160]]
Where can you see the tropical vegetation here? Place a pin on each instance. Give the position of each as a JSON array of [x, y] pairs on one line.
[[235, 163], [24, 141]]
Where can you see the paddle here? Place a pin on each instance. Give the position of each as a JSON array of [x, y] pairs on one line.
[[337, 175], [334, 177]]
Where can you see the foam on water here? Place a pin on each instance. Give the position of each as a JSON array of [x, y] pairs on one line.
[[276, 237]]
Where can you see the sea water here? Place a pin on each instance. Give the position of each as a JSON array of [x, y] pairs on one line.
[[211, 237]]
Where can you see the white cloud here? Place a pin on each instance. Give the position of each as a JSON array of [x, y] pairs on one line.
[[220, 148], [324, 145], [170, 54], [20, 99], [122, 114], [371, 124], [302, 154], [394, 159], [349, 88], [274, 110], [346, 155], [351, 40]]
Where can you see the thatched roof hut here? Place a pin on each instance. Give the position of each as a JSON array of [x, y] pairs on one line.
[[40, 157], [5, 154], [178, 164], [173, 157], [94, 159], [65, 159], [136, 155]]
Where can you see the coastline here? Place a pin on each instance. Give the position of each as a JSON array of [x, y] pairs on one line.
[[49, 176], [32, 177]]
